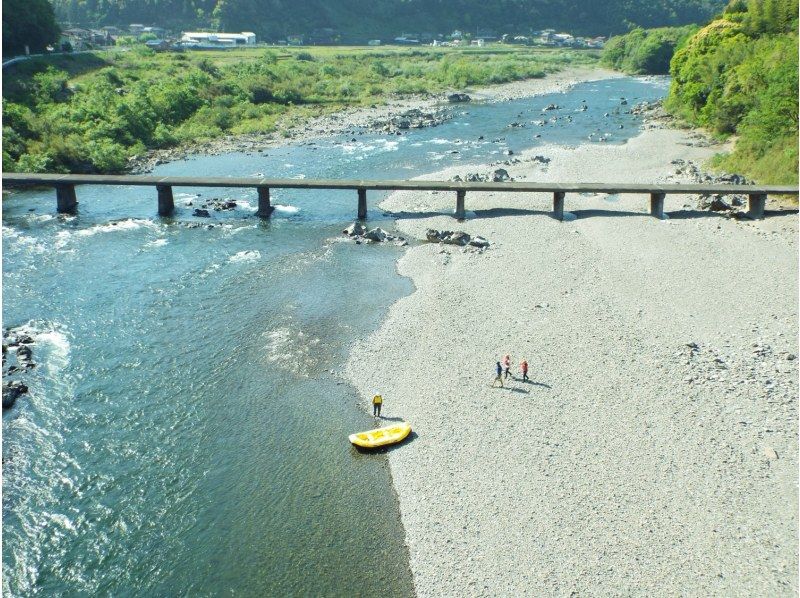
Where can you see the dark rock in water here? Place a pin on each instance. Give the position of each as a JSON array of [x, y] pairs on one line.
[[551, 107], [500, 175], [201, 213], [12, 369], [433, 235], [455, 98], [509, 152], [479, 242], [541, 159], [475, 178], [355, 229], [11, 391], [456, 238], [25, 339], [24, 352], [623, 103]]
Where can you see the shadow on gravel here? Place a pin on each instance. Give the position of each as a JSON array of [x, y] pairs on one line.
[[580, 214], [538, 384]]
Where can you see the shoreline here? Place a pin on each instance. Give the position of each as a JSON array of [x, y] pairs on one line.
[[660, 428], [355, 119]]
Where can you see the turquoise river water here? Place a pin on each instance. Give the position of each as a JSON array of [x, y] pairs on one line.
[[186, 427]]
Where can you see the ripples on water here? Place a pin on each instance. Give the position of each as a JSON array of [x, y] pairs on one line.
[[184, 433]]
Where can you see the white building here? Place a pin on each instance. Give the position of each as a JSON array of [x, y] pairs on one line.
[[246, 38]]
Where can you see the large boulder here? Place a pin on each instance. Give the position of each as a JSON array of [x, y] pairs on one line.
[[455, 98], [376, 234], [500, 175], [715, 203], [11, 391], [433, 235], [201, 213], [354, 230], [24, 352], [455, 238]]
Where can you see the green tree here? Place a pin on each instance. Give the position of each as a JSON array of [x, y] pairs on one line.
[[29, 23]]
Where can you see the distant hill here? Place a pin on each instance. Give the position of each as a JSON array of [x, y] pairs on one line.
[[362, 19]]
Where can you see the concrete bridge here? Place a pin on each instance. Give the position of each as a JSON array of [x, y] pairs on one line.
[[66, 199]]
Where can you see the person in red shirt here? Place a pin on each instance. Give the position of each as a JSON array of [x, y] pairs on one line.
[[524, 367], [507, 365]]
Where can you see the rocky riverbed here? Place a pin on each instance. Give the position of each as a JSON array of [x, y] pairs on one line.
[[654, 450]]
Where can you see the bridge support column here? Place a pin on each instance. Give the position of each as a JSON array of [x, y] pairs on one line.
[[657, 205], [755, 205], [66, 201], [558, 205], [460, 212], [264, 207], [362, 204], [166, 205]]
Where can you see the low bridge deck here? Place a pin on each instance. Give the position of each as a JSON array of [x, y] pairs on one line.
[[67, 201]]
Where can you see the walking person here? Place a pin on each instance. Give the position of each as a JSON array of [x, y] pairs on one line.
[[507, 365], [524, 367], [499, 375], [377, 401]]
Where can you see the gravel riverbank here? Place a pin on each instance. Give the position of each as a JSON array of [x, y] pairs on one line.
[[654, 451]]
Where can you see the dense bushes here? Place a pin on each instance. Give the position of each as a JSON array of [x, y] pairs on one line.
[[739, 75], [645, 52], [94, 121]]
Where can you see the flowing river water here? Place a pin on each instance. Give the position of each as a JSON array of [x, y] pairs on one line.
[[186, 427]]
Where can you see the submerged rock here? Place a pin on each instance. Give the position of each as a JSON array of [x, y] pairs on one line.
[[12, 391]]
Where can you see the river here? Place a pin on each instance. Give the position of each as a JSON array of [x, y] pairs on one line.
[[186, 427]]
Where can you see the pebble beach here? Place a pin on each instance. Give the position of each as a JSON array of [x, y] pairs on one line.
[[654, 450]]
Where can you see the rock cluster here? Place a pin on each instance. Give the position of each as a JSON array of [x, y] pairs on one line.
[[499, 175], [715, 202], [21, 343], [360, 234], [411, 119], [455, 238]]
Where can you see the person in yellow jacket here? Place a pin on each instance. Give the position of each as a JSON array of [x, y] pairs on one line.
[[377, 401]]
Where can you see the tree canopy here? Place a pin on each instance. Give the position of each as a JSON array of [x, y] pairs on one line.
[[28, 23]]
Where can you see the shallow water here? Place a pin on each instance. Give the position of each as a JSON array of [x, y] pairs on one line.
[[186, 428]]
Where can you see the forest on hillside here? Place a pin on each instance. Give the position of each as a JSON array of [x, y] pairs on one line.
[[739, 76], [354, 19]]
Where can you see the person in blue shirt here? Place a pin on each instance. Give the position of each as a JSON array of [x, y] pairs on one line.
[[499, 375]]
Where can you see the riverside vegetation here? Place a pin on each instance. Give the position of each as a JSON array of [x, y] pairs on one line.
[[90, 113], [737, 76]]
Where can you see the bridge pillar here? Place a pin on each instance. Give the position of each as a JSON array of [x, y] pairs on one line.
[[362, 203], [558, 205], [756, 202], [66, 201], [166, 205], [657, 205], [264, 207], [460, 213]]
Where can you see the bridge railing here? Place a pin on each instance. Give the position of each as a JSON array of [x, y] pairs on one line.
[[66, 199]]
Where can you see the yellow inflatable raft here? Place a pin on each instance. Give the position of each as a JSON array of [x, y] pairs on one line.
[[381, 436]]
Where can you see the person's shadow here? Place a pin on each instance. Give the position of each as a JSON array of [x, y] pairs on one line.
[[391, 419]]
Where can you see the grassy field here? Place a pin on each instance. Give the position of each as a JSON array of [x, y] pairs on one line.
[[91, 112]]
